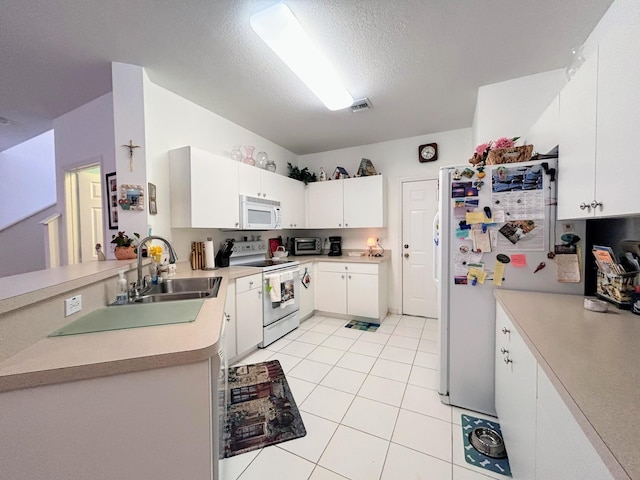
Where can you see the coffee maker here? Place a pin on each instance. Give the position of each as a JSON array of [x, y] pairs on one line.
[[335, 246]]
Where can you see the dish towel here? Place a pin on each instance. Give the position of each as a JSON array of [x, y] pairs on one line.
[[275, 292], [287, 293]]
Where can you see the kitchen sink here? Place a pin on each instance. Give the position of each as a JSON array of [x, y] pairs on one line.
[[172, 289], [170, 297]]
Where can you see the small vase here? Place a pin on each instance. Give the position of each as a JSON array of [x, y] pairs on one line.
[[262, 159], [236, 154], [125, 253], [249, 158], [270, 166]]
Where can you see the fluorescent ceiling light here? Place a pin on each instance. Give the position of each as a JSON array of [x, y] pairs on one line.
[[280, 30]]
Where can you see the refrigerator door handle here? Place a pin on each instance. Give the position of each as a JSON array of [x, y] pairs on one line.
[[436, 245]]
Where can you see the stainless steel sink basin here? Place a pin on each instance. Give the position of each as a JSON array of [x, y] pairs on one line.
[[172, 289], [170, 297]]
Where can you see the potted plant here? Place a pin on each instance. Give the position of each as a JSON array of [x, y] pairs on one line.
[[125, 245]]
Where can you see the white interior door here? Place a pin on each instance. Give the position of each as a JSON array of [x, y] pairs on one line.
[[90, 212], [419, 206]]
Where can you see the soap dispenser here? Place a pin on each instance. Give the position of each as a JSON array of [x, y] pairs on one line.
[[121, 291]]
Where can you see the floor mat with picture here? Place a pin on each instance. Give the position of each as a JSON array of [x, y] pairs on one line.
[[261, 410], [473, 456], [359, 325]]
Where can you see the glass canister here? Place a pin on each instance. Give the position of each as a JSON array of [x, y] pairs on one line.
[[271, 166], [262, 159]]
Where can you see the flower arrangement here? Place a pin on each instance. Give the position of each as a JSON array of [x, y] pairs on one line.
[[123, 240], [156, 253], [482, 151]]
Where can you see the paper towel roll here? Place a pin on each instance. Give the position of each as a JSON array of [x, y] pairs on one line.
[[209, 254]]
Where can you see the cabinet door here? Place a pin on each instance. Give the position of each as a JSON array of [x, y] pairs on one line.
[[618, 165], [294, 208], [230, 317], [364, 202], [249, 319], [362, 295], [577, 155], [324, 204], [200, 182], [516, 372], [331, 292], [562, 449], [249, 181]]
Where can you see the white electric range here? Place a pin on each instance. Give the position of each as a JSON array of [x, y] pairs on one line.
[[280, 284]]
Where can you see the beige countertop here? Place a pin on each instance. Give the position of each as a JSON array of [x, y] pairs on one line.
[[593, 360], [75, 357]]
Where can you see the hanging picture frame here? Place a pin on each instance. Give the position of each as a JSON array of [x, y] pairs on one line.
[[131, 197], [153, 206], [112, 199]]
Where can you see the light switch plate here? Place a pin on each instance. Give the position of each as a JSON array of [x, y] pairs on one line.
[[72, 305]]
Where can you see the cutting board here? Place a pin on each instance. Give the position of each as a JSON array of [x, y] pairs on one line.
[[133, 316]]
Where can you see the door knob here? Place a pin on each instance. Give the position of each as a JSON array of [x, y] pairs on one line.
[[406, 255], [406, 245]]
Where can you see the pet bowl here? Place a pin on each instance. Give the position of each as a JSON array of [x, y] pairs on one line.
[[488, 442]]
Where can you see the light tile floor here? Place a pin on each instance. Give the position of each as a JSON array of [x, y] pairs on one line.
[[370, 406]]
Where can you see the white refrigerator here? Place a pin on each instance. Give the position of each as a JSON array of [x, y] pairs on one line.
[[517, 204]]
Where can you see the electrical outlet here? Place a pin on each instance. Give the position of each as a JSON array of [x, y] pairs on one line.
[[72, 305]]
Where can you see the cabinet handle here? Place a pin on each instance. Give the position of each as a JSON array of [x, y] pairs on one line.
[[406, 255], [406, 245], [227, 317], [595, 204], [342, 276], [505, 330], [259, 292], [507, 360], [346, 224], [584, 206], [339, 224], [250, 282], [349, 277], [237, 224], [504, 350]]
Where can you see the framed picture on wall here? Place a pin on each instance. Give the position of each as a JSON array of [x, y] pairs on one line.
[[112, 200], [153, 206]]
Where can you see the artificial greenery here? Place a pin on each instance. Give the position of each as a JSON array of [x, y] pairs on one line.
[[122, 240], [303, 175]]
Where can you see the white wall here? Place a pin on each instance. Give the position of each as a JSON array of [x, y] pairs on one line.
[[27, 172], [84, 135], [510, 108], [172, 122], [397, 160]]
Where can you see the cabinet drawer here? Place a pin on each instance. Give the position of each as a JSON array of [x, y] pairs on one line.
[[340, 267], [248, 283]]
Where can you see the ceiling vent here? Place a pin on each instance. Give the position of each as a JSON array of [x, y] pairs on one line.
[[361, 105]]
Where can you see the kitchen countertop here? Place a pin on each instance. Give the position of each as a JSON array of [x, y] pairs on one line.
[[76, 357], [592, 359]]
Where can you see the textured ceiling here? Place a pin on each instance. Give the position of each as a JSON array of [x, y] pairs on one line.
[[420, 62]]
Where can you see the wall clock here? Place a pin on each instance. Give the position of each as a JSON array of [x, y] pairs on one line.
[[428, 152]]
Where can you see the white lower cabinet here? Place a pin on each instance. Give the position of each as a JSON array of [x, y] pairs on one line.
[[307, 295], [562, 449], [516, 371], [352, 289], [543, 439], [248, 313], [231, 349]]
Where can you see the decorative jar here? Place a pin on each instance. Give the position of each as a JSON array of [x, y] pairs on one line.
[[270, 166], [249, 158]]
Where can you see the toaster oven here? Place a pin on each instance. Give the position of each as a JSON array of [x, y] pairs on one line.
[[307, 246]]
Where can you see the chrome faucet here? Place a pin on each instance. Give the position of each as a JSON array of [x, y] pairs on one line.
[[172, 256]]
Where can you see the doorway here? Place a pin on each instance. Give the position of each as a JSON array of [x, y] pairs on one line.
[[83, 194], [419, 207]]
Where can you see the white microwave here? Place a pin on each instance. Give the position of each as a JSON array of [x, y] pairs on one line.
[[259, 214]]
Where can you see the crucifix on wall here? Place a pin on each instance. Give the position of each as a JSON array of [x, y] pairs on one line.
[[131, 146]]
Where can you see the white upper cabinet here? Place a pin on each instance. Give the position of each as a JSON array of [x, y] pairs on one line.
[[577, 156], [292, 201], [349, 203], [256, 182], [618, 165], [600, 114], [201, 185], [324, 204]]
